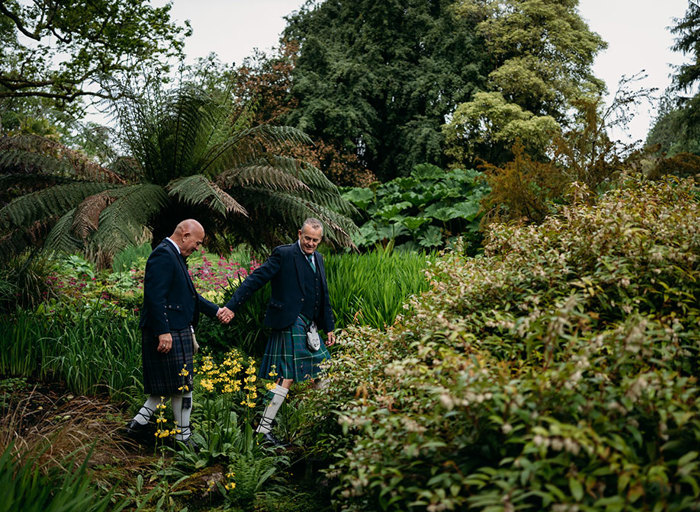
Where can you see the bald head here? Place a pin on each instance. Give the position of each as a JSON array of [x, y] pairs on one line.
[[188, 235]]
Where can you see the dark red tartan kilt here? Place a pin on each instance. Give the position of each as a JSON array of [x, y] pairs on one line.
[[161, 372]]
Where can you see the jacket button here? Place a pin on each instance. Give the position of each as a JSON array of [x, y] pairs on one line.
[[302, 300]]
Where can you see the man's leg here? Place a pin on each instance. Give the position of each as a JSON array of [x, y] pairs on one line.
[[137, 426], [275, 396], [182, 409]]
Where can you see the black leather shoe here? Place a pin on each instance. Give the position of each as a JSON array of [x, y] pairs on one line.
[[135, 429], [269, 439]]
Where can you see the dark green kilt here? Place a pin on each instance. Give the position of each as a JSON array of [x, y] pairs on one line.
[[287, 350], [161, 372]]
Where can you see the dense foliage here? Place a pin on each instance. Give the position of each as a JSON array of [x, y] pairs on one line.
[[66, 50], [557, 372], [676, 127], [426, 210], [378, 78]]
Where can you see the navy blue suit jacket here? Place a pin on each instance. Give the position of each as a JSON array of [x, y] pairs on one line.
[[170, 301], [283, 269]]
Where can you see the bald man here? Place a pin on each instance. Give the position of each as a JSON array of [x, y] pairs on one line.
[[169, 315]]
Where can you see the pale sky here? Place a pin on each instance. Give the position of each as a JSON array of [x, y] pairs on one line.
[[636, 31]]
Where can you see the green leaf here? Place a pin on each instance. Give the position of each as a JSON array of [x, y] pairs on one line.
[[576, 489]]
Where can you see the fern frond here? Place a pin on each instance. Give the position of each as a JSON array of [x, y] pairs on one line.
[[86, 218], [61, 237], [262, 174], [290, 210], [30, 181], [49, 202], [199, 190], [122, 223], [39, 154]]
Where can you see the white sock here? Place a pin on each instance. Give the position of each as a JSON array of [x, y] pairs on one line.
[[278, 395], [182, 408], [147, 410]]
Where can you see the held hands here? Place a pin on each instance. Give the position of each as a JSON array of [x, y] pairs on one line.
[[330, 338], [225, 315]]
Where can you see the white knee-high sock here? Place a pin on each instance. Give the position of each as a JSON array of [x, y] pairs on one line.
[[182, 408], [147, 410], [278, 395]]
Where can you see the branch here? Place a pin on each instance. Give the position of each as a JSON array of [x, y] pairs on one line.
[[57, 96], [18, 22]]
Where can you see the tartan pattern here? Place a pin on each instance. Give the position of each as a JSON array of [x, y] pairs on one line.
[[161, 372], [287, 350]]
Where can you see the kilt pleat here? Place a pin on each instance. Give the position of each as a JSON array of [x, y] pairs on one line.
[[162, 373], [287, 351]]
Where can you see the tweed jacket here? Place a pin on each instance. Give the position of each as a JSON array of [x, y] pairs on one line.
[[170, 301], [283, 269]]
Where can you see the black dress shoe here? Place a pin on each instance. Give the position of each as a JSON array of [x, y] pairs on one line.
[[135, 429], [270, 439]]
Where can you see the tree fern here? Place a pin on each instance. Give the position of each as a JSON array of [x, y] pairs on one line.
[[185, 152], [50, 202], [125, 221], [198, 190]]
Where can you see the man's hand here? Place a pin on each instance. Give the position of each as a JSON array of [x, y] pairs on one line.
[[330, 339], [165, 343], [225, 315]]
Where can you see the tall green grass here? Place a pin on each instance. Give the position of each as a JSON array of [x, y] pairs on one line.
[[92, 349], [125, 259], [23, 486], [371, 288]]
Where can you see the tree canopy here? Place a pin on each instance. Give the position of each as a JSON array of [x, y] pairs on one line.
[[541, 53], [677, 126], [63, 50], [378, 78]]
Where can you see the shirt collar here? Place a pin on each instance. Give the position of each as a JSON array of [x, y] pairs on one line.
[[174, 244], [302, 252]]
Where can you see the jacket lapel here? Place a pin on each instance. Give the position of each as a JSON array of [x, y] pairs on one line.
[[181, 262], [299, 261]]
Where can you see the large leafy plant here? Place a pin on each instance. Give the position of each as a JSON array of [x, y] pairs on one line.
[[425, 210], [187, 154]]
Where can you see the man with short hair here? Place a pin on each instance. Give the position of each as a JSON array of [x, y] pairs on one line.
[[299, 303], [169, 315]]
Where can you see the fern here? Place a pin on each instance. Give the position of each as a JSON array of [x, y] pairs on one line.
[[61, 237], [184, 149], [124, 222], [198, 189], [49, 202]]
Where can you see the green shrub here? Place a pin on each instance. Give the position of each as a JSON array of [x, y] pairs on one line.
[[556, 372], [26, 281]]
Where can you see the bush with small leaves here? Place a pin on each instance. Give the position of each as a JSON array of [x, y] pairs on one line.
[[556, 372]]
